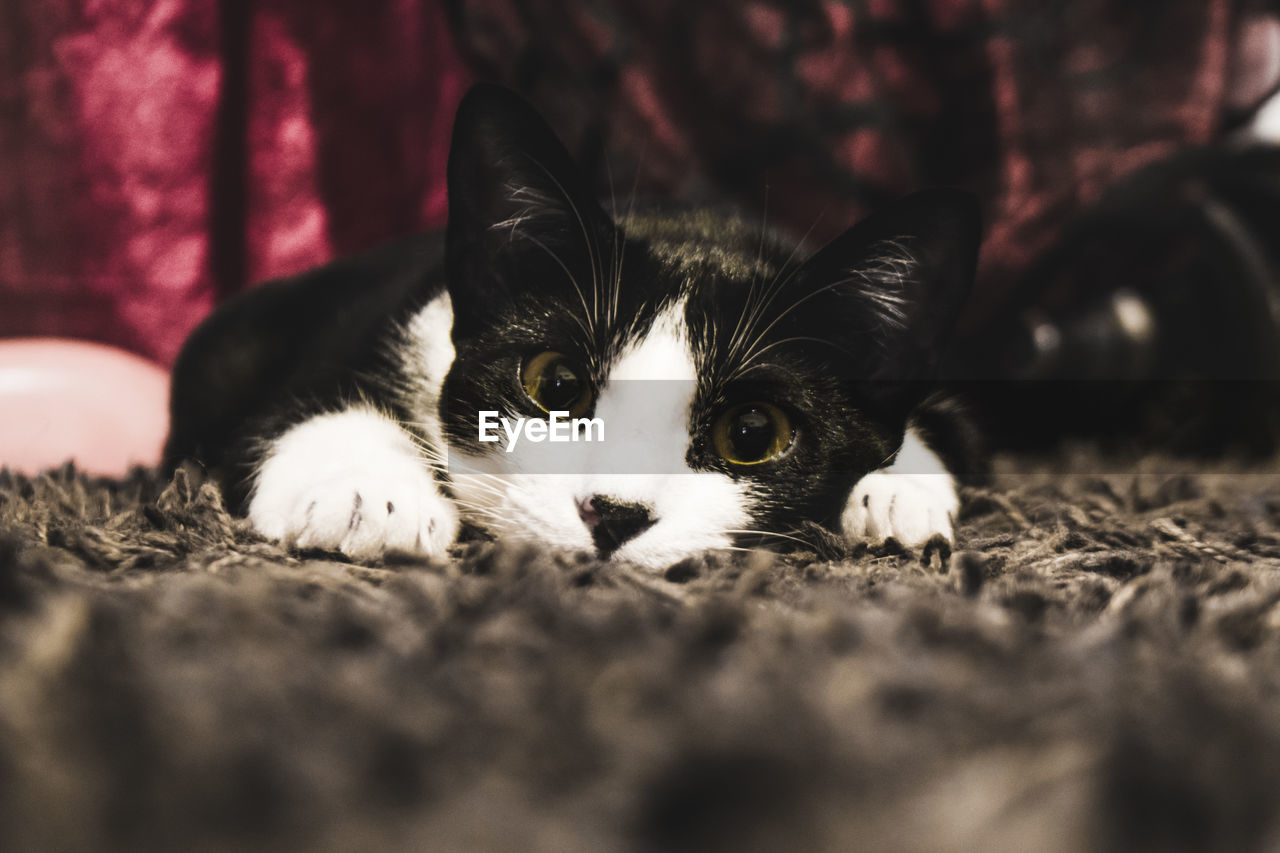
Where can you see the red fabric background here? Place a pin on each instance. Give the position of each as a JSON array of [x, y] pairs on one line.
[[158, 155], [155, 156]]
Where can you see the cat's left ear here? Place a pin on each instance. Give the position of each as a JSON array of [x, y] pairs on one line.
[[517, 202], [889, 290]]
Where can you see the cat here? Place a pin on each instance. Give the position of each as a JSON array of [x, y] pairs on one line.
[[712, 385]]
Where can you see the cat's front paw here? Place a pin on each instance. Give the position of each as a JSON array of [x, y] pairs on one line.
[[347, 483], [362, 515], [911, 509]]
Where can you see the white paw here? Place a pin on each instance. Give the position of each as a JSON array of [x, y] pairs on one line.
[[363, 514], [351, 482], [909, 508]]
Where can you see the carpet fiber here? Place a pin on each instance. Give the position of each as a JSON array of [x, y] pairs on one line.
[[1098, 667]]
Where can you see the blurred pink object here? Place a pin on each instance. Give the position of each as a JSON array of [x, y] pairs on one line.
[[101, 407]]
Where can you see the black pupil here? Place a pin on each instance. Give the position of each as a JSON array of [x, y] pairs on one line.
[[751, 434], [559, 387]]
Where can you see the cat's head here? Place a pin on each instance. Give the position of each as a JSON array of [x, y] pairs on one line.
[[741, 385]]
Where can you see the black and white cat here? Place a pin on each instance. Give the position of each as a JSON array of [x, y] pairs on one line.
[[726, 388]]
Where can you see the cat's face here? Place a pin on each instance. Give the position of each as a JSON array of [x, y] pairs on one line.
[[727, 387]]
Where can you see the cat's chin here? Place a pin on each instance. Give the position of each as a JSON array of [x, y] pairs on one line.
[[652, 557]]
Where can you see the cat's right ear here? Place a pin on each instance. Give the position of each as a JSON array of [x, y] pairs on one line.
[[517, 203], [889, 290]]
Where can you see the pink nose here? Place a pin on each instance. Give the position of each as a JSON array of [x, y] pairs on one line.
[[587, 512]]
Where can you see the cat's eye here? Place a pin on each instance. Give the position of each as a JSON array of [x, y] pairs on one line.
[[751, 433], [556, 384]]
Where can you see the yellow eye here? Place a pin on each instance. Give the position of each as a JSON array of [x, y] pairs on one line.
[[556, 384], [751, 433]]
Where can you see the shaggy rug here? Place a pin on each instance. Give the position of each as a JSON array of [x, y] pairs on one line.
[[1097, 668]]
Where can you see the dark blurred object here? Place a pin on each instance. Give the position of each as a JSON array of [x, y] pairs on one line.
[[1156, 314]]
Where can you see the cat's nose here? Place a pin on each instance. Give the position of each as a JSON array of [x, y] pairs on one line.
[[613, 522]]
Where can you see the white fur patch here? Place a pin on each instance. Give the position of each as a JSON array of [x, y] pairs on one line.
[[663, 354], [1265, 126], [910, 501], [694, 513], [351, 481], [427, 354]]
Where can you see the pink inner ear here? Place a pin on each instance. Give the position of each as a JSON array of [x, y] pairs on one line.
[[98, 406]]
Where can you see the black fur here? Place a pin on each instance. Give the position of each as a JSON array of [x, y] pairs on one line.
[[292, 348]]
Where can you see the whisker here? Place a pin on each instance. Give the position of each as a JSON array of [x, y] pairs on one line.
[[757, 355], [616, 279], [484, 488], [593, 248], [796, 304], [631, 209], [586, 329], [755, 278], [770, 533], [778, 284], [480, 509], [493, 484]]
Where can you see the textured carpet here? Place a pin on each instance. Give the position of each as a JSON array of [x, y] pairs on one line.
[[1098, 667]]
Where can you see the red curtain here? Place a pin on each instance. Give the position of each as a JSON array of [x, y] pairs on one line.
[[156, 155]]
